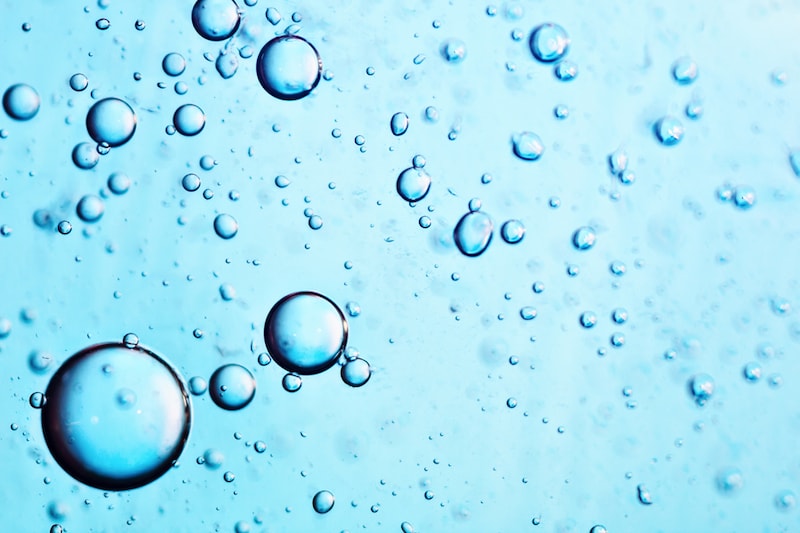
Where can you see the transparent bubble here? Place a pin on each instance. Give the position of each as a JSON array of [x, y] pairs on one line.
[[627, 177], [198, 386], [5, 327], [190, 182], [292, 382], [98, 442], [399, 124], [353, 309], [729, 480], [584, 238], [413, 184], [227, 64], [512, 231], [431, 114], [39, 361], [561, 112], [694, 110], [669, 131], [356, 372], [684, 71], [785, 500], [588, 319], [213, 458], [111, 121], [173, 64], [37, 400], [701, 386], [617, 161], [21, 102], [189, 120], [273, 16], [598, 529], [617, 268], [475, 204], [260, 446], [645, 498], [511, 403], [528, 313], [90, 208], [118, 183], [425, 222], [454, 51], [527, 146], [744, 197], [473, 233], [226, 226], [619, 315], [752, 371], [64, 227], [232, 387], [566, 70], [323, 501], [78, 82], [315, 222], [102, 24], [227, 292], [406, 527], [215, 20], [288, 67], [549, 42], [42, 218], [305, 332]]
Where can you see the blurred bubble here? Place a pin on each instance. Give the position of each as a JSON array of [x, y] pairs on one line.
[[90, 208], [21, 102], [527, 146], [584, 238], [669, 131], [356, 372], [684, 71]]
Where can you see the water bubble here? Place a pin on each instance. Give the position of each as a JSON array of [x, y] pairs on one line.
[[744, 197], [215, 20], [561, 112], [473, 233], [694, 110], [38, 361], [353, 309], [227, 292], [173, 64], [729, 480], [78, 82], [399, 124], [260, 446], [42, 218], [198, 386], [512, 231], [229, 477], [584, 238], [305, 332], [424, 222], [669, 131], [97, 442], [288, 67], [527, 146], [227, 64], [645, 498], [323, 501], [189, 120], [588, 319], [264, 359], [413, 184], [617, 268], [626, 177], [21, 102], [111, 121], [64, 227], [701, 386], [454, 51], [406, 527], [130, 340], [118, 183], [752, 371], [528, 313], [619, 315], [617, 340], [226, 226], [102, 24], [684, 71], [598, 529], [475, 204], [37, 400], [617, 161], [190, 182], [566, 70], [232, 387], [785, 500], [315, 222], [356, 372], [431, 114], [90, 208], [273, 16], [292, 382], [549, 42]]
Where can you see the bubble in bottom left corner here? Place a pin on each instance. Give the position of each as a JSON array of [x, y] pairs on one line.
[[116, 417]]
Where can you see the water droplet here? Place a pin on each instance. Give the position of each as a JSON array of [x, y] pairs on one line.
[[78, 82], [292, 382], [215, 20], [701, 386], [232, 387], [90, 208], [353, 309], [315, 222], [226, 226], [527, 146], [198, 386], [744, 197], [752, 371], [323, 501], [21, 102], [669, 131], [413, 184], [454, 51], [694, 110], [617, 268], [100, 444], [627, 177], [273, 16], [431, 114], [118, 183], [588, 319], [227, 292], [173, 64], [190, 182], [561, 112], [512, 231], [584, 238], [229, 476], [288, 67], [424, 222], [684, 71], [111, 121], [356, 372], [399, 124], [189, 120], [528, 313], [645, 498], [473, 233], [549, 42], [227, 64], [305, 332], [729, 480], [566, 70], [619, 315]]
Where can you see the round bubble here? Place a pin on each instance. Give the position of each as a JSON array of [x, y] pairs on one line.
[[323, 501], [527, 146], [292, 382], [584, 238], [227, 64], [305, 332], [399, 124], [566, 70], [173, 64], [598, 529], [226, 226], [198, 386], [701, 387], [549, 42], [684, 71], [111, 121], [288, 67], [512, 231], [21, 102], [454, 51], [39, 362], [744, 197], [78, 82], [232, 387], [118, 183], [669, 131], [85, 156], [215, 20], [413, 184], [473, 233], [729, 480], [190, 182], [588, 319], [356, 372], [107, 445], [189, 120], [90, 208]]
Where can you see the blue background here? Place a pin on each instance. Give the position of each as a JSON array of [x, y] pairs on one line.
[[702, 276]]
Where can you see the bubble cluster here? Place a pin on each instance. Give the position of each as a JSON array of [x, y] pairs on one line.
[[413, 184], [549, 42]]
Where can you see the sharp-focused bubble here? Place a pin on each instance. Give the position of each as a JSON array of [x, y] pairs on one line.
[[292, 382], [288, 67], [684, 71], [473, 233], [752, 371], [323, 501], [669, 131], [232, 387], [226, 226], [215, 20], [21, 102], [549, 42], [399, 124], [413, 184], [111, 121], [588, 319], [78, 82], [90, 208], [527, 146], [305, 332], [406, 527], [189, 120], [566, 70], [190, 182], [512, 231], [107, 445], [701, 386], [744, 197], [173, 64], [584, 238], [598, 529], [356, 372]]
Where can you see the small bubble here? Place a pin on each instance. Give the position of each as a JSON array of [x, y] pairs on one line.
[[130, 340], [90, 208], [617, 340], [226, 226], [528, 313], [473, 233], [549, 42], [215, 20], [356, 372], [232, 387], [619, 315], [566, 70], [198, 386], [431, 114], [584, 238], [752, 371], [684, 71], [399, 124], [118, 183], [561, 112], [197, 333], [85, 156], [37, 400], [38, 361], [288, 67], [512, 231], [413, 184], [729, 480], [273, 16], [78, 82], [102, 24], [669, 131], [111, 121], [173, 64], [511, 403], [227, 292], [292, 382], [227, 64], [190, 182], [229, 476], [424, 222], [588, 319], [139, 25], [527, 146], [626, 177], [744, 197], [406, 527], [64, 227], [323, 501], [694, 110], [785, 500], [598, 529], [353, 309]]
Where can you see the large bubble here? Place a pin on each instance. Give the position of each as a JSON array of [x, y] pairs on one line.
[[289, 67], [111, 121], [215, 20]]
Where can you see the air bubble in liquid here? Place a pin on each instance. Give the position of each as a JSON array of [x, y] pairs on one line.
[[90, 208], [701, 386], [227, 64], [413, 184], [292, 382], [288, 67], [669, 131], [356, 372], [173, 64], [512, 231], [473, 233], [111, 121], [454, 51], [190, 182], [566, 70], [232, 387], [99, 442], [729, 480], [78, 82], [323, 501], [118, 183], [305, 332], [684, 71], [549, 42], [399, 124], [527, 146], [189, 120], [21, 102], [584, 238], [215, 20], [226, 226]]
